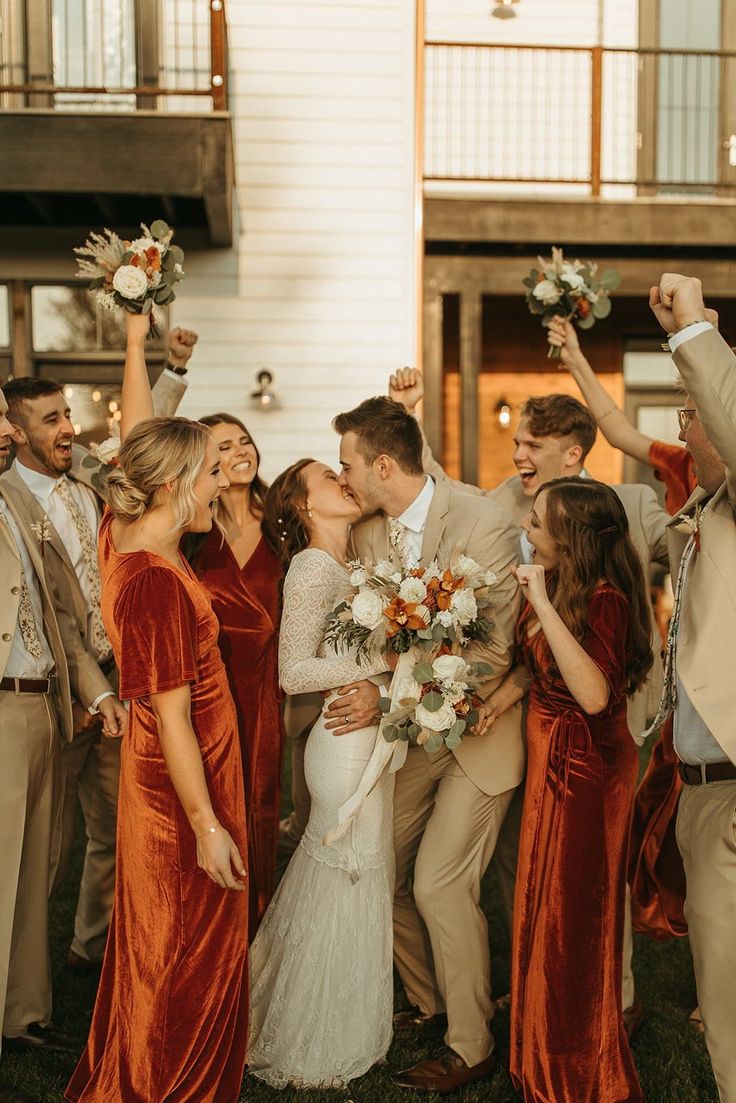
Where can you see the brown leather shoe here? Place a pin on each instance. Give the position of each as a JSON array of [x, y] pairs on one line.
[[444, 1073], [633, 1017], [413, 1019]]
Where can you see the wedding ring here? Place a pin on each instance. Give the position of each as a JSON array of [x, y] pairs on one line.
[[347, 719]]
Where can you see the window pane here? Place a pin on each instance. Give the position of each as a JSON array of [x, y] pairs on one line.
[[94, 45], [659, 422], [649, 369], [69, 319], [4, 317], [95, 407]]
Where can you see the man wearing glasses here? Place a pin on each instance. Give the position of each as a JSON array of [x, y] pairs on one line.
[[701, 658]]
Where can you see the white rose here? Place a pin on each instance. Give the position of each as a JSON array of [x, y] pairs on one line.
[[130, 282], [445, 618], [490, 578], [142, 243], [548, 292], [471, 571], [464, 606], [358, 577], [367, 609], [569, 275], [412, 589], [384, 568], [106, 451], [438, 721], [450, 667]]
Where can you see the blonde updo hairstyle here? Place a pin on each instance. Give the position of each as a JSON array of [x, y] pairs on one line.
[[159, 451]]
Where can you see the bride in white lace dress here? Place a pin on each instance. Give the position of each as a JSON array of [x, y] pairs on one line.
[[321, 963]]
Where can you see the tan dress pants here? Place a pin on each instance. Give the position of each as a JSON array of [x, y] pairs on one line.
[[706, 836], [90, 775], [29, 753], [445, 829]]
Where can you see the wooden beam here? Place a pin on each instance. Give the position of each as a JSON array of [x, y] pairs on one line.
[[217, 182], [43, 208], [39, 50], [582, 220], [433, 367]]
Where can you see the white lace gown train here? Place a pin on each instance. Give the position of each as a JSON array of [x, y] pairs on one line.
[[321, 963]]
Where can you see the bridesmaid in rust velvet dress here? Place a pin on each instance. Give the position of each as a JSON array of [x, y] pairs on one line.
[[171, 1018], [585, 644], [242, 576]]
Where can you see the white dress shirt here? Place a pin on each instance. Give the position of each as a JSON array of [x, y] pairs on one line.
[[414, 518], [42, 487], [20, 663]]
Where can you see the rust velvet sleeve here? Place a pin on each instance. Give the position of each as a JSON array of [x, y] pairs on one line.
[[158, 633], [605, 641]]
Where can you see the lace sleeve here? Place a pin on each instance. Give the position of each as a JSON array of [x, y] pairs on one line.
[[311, 590]]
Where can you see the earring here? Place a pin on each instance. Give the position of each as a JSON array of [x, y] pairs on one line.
[[309, 513]]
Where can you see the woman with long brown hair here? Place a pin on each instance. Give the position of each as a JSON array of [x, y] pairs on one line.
[[324, 948], [242, 575], [584, 642]]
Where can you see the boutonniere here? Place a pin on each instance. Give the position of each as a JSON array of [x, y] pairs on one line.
[[42, 531], [691, 525]]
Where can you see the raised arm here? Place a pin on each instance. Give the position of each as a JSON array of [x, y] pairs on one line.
[[613, 422], [136, 403], [308, 591]]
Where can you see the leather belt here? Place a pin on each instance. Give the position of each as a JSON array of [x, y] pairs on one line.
[[701, 775], [28, 685]]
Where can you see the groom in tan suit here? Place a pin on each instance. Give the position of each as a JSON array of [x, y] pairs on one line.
[[449, 805], [702, 542]]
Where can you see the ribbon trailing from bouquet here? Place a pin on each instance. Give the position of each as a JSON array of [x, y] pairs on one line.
[[384, 753]]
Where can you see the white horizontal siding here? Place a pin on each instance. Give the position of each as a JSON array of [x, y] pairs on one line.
[[319, 285]]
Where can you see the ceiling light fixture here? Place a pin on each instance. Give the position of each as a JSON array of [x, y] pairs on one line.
[[504, 9], [264, 397]]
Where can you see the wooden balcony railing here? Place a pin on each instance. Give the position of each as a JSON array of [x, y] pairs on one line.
[[589, 120], [129, 55]]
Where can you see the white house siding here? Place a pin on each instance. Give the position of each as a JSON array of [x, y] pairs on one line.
[[319, 285]]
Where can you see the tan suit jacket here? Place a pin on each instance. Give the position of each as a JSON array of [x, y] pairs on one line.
[[480, 529], [706, 640], [648, 530], [74, 666]]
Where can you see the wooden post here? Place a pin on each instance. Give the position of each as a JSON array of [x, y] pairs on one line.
[[419, 183], [39, 51], [471, 318], [433, 367], [218, 55], [147, 53], [596, 119]]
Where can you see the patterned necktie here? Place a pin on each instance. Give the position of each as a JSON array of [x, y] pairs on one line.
[[26, 619], [397, 540], [100, 642], [669, 689]]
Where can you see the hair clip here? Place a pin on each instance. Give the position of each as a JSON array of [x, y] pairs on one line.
[[609, 529]]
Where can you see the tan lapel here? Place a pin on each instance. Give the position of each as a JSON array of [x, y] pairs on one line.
[[678, 533], [34, 513], [436, 522]]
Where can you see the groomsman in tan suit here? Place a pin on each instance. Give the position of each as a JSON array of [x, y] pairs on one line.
[[449, 805], [40, 653], [553, 438], [90, 763], [699, 675]]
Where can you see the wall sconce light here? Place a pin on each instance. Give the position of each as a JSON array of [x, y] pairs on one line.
[[503, 413], [504, 9], [264, 397]]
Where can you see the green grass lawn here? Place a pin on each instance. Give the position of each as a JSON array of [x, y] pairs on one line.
[[671, 1059]]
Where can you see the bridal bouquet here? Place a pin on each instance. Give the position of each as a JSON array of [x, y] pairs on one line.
[[572, 289], [425, 615], [132, 274]]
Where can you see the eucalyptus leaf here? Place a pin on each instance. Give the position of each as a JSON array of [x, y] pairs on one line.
[[159, 228], [472, 718], [424, 634], [423, 673], [88, 460], [610, 279], [390, 733], [586, 323], [452, 741], [384, 704], [434, 742], [602, 308], [457, 729], [176, 254], [479, 670], [433, 701], [413, 731]]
